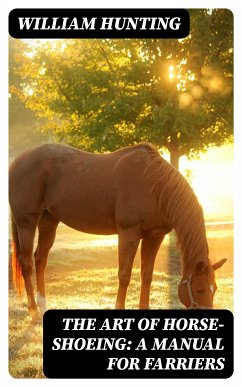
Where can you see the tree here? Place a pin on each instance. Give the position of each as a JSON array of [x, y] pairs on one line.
[[101, 95], [104, 94], [23, 123]]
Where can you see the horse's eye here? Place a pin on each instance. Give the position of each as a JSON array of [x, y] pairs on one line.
[[201, 291]]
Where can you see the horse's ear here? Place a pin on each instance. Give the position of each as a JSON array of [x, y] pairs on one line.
[[218, 264], [200, 266]]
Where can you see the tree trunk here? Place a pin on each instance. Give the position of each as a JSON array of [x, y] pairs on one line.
[[174, 254], [174, 158]]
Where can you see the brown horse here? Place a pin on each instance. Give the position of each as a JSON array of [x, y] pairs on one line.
[[132, 192]]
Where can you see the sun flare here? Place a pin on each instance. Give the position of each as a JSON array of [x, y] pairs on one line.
[[212, 181], [171, 74]]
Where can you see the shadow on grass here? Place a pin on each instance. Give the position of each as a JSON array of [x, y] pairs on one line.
[[86, 278]]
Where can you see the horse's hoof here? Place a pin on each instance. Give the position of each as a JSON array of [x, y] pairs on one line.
[[41, 301], [36, 317], [42, 312]]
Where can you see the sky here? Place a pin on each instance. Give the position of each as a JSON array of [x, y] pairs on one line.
[[212, 182]]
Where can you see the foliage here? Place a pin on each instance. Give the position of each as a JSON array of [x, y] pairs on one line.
[[23, 124], [104, 94]]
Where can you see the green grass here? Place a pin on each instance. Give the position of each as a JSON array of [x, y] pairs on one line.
[[82, 274]]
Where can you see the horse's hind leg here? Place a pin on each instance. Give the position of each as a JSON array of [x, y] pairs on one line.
[[47, 230], [149, 249], [26, 234]]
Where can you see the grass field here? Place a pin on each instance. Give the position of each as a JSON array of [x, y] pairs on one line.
[[82, 274]]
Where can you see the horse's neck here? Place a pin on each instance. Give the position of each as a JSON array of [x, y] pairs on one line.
[[193, 244], [185, 215], [178, 204]]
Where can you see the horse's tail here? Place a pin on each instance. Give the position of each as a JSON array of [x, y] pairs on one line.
[[16, 266]]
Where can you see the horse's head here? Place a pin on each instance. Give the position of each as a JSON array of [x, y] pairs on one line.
[[198, 289]]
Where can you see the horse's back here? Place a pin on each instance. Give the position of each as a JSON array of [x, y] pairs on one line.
[[58, 153], [89, 192]]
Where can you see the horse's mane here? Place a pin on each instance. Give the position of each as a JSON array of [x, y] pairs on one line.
[[182, 209]]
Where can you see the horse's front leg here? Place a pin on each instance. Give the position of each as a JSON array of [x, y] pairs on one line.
[[127, 246], [149, 249]]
